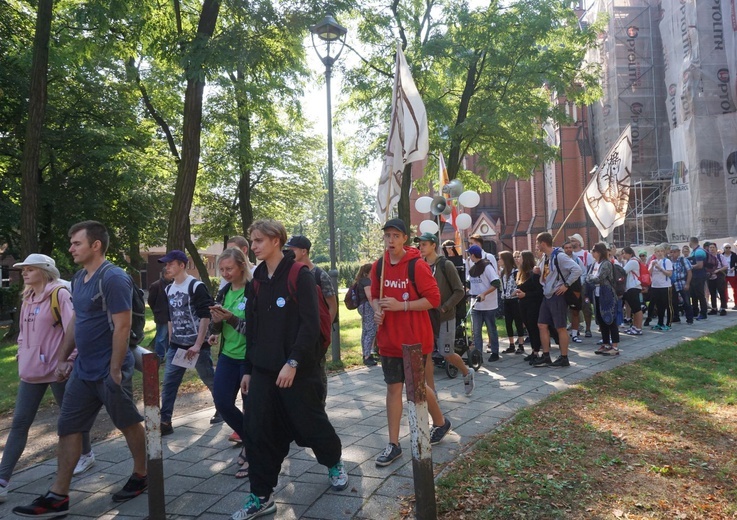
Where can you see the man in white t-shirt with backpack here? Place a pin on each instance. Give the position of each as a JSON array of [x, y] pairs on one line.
[[587, 260], [189, 318]]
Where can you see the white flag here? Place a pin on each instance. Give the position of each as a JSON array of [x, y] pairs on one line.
[[408, 137], [607, 195]]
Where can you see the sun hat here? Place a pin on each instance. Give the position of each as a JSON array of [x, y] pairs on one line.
[[42, 262]]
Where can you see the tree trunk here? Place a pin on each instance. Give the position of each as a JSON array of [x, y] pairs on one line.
[[245, 157], [32, 145], [455, 157], [403, 206], [178, 232]]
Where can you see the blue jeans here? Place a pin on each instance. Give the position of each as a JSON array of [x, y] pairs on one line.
[[173, 378], [479, 319], [161, 341], [228, 375]]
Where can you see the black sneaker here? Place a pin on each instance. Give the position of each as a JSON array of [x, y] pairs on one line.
[[713, 312], [369, 361], [438, 432], [510, 350], [542, 361], [723, 312], [562, 361], [493, 357], [45, 507], [391, 453], [520, 349], [530, 357], [134, 487], [166, 428], [217, 418]]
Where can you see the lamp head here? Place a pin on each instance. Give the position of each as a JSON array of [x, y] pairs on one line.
[[328, 29]]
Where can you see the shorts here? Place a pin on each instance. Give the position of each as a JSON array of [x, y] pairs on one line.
[[393, 368], [447, 338], [83, 400], [554, 311], [632, 298]]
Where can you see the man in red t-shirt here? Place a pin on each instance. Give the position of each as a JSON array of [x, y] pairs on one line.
[[402, 319]]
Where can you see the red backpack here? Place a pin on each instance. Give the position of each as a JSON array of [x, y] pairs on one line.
[[326, 324], [644, 277]]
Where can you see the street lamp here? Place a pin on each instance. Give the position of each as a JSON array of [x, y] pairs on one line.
[[333, 35]]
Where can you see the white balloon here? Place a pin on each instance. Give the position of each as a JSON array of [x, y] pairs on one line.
[[469, 199], [422, 204], [428, 226], [463, 221]]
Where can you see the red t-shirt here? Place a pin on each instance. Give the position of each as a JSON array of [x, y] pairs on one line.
[[411, 327]]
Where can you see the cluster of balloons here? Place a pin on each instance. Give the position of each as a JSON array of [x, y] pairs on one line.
[[439, 206]]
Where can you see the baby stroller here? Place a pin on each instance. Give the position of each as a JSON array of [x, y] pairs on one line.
[[463, 344]]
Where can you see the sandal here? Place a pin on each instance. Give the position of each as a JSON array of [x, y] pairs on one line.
[[241, 460], [611, 351], [242, 472]]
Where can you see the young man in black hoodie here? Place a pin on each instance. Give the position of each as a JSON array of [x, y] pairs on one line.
[[282, 378]]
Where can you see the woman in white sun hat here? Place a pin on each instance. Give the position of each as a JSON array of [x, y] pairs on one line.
[[45, 314]]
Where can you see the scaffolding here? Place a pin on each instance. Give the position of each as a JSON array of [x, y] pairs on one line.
[[647, 214]]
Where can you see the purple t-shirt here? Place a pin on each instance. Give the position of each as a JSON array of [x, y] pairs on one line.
[[92, 333]]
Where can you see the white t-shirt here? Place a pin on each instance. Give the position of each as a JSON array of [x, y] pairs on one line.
[[632, 268], [660, 280], [481, 284]]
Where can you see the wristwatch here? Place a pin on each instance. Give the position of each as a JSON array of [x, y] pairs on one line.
[[292, 363]]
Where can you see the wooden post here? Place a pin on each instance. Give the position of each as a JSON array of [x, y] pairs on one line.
[[419, 427], [154, 450]]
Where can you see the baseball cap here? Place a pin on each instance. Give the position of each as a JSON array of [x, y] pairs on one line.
[[174, 254], [475, 251], [395, 223], [42, 262], [642, 252], [576, 236], [426, 237], [299, 241]]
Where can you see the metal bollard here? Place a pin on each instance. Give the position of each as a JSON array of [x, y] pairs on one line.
[[154, 450], [419, 427]]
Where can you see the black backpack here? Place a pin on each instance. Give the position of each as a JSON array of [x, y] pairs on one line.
[[138, 307], [620, 280]]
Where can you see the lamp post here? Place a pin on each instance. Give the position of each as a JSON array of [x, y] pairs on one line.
[[332, 34]]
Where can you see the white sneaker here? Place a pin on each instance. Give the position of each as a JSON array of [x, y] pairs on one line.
[[468, 381], [3, 494], [84, 463]]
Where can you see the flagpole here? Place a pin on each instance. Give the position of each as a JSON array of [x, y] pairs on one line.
[[580, 198]]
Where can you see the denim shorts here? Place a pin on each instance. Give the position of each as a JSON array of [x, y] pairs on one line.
[[83, 400]]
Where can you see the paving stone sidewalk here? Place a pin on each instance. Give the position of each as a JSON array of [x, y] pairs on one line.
[[199, 460]]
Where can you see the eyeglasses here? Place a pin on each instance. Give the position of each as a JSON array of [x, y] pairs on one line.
[[728, 247]]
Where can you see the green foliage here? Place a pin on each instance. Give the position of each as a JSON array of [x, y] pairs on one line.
[[346, 272]]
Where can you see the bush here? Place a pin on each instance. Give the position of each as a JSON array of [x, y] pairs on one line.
[[346, 272], [9, 299]]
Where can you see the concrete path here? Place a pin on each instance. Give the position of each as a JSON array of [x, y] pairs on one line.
[[199, 464]]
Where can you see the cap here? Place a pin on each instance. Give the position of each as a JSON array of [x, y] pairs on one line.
[[426, 237], [642, 252], [299, 241], [578, 237], [42, 262], [675, 248], [727, 245], [395, 223], [475, 251], [174, 254]]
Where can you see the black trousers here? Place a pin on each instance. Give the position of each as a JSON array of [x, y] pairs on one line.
[[663, 301], [530, 312], [698, 296], [609, 331], [718, 286], [277, 416], [513, 317]]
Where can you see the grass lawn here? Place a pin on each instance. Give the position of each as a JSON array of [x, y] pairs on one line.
[[653, 439]]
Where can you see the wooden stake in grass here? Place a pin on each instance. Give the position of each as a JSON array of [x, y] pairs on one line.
[[419, 427]]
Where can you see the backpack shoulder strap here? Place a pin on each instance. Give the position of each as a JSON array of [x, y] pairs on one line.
[[55, 307], [292, 279], [190, 288], [318, 277]]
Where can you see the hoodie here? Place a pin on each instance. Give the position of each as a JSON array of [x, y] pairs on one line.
[[405, 328], [39, 340], [279, 328]]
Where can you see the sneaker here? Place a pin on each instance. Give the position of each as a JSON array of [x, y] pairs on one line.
[[3, 493], [713, 312], [562, 361], [510, 350], [542, 361], [45, 507], [255, 507], [520, 349], [469, 382], [391, 453], [234, 437], [338, 477], [701, 317], [723, 312], [217, 418], [656, 327], [134, 487], [530, 357], [587, 334], [664, 328], [369, 361], [577, 339], [166, 428], [493, 357], [84, 463], [438, 432]]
